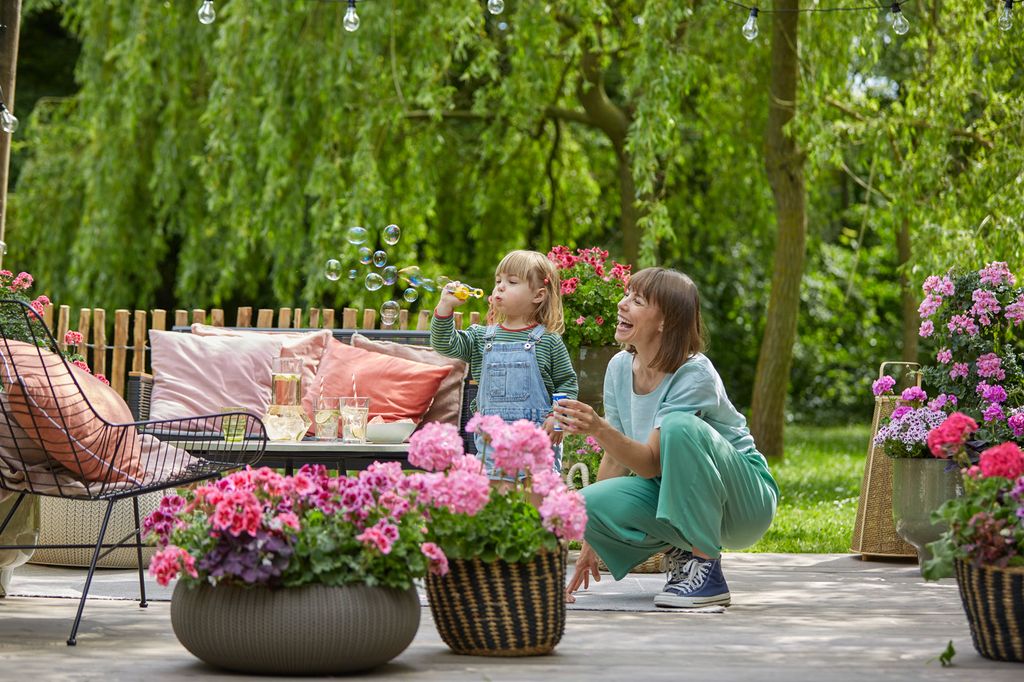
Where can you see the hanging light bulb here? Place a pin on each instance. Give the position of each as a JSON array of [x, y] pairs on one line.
[[206, 12], [7, 120], [495, 6], [900, 25], [351, 21], [1006, 16], [750, 28]]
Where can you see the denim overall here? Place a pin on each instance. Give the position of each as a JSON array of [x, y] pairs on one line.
[[511, 386]]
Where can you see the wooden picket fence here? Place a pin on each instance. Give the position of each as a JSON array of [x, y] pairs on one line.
[[129, 349]]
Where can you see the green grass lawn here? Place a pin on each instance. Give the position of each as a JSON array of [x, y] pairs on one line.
[[819, 482]]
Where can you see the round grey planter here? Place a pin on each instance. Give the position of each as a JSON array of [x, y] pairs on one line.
[[309, 630], [920, 487]]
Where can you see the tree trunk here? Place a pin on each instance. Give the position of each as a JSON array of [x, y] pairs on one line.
[[614, 122], [10, 24], [907, 296], [784, 162]]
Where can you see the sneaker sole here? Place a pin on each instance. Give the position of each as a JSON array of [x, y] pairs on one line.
[[672, 601]]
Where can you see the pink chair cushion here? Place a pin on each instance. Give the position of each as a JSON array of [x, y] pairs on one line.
[[397, 388], [195, 375], [48, 404], [308, 346], [447, 405]]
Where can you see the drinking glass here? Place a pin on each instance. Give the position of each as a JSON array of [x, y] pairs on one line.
[[233, 425], [286, 375], [354, 414], [327, 413]]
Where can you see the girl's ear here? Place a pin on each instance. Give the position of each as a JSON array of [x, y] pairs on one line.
[[541, 296]]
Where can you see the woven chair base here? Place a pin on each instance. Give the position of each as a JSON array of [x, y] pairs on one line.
[[69, 522], [993, 600], [498, 608], [652, 564]]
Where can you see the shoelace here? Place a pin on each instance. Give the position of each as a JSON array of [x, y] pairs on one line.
[[675, 561], [696, 573]]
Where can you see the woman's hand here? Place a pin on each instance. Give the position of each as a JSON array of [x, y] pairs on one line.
[[577, 417], [586, 566]]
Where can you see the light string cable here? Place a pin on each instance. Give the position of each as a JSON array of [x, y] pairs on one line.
[[900, 25], [208, 14]]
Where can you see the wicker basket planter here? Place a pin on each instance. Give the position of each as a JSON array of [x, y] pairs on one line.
[[309, 630], [498, 608], [993, 599]]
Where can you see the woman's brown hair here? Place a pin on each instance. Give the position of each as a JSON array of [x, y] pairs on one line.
[[677, 298]]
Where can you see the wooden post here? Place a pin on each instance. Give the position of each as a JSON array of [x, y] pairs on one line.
[[99, 341], [139, 342], [217, 317], [348, 318], [10, 20], [328, 318], [314, 318], [284, 318], [403, 319], [84, 325], [159, 319], [474, 318], [198, 316], [244, 317], [180, 318], [265, 318], [369, 318], [117, 366], [423, 321], [63, 318]]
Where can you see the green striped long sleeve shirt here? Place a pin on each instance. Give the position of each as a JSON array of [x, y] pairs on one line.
[[552, 357]]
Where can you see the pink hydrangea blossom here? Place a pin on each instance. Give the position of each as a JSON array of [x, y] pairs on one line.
[[914, 394], [883, 385], [996, 273], [989, 365], [433, 446], [438, 560], [1004, 460]]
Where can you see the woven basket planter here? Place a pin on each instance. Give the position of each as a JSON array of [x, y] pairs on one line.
[[993, 599], [498, 608], [308, 630], [78, 522]]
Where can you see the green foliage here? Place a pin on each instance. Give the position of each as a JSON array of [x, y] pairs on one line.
[[591, 291], [819, 481]]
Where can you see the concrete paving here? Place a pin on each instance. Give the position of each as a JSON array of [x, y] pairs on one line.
[[794, 617]]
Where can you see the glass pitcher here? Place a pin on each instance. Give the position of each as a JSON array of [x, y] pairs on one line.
[[286, 419]]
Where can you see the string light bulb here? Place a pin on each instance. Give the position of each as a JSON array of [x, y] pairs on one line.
[[206, 12], [351, 21], [8, 122], [750, 28], [495, 6], [900, 25], [1006, 16]]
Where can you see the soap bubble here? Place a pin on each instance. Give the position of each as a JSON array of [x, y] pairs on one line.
[[411, 274], [392, 233], [356, 235], [374, 281], [352, 274], [428, 284], [442, 281], [389, 312], [390, 275], [332, 270], [410, 295], [365, 255], [380, 258]]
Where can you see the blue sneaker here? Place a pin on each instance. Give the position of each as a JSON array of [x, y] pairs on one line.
[[675, 559], [698, 582]]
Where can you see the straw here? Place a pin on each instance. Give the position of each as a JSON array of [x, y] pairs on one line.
[[354, 394]]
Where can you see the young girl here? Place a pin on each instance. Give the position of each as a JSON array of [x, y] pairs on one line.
[[518, 360]]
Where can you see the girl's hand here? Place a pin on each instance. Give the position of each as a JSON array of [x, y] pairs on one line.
[[449, 301], [577, 417], [549, 427], [586, 567]]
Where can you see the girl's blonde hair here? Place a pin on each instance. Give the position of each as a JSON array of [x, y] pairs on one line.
[[539, 273]]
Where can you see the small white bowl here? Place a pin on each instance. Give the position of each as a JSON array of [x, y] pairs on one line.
[[391, 432]]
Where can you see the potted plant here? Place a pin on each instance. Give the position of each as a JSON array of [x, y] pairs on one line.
[[304, 574], [504, 591], [921, 482], [974, 319], [591, 289], [984, 545]]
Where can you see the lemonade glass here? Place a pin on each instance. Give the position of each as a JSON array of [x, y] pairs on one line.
[[326, 416]]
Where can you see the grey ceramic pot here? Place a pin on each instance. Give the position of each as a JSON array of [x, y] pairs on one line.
[[919, 487], [309, 630]]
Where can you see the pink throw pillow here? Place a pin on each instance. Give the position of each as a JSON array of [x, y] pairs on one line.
[[196, 375], [308, 346], [50, 404], [397, 388], [447, 405]]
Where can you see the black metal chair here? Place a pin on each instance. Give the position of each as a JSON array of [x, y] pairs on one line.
[[61, 436]]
